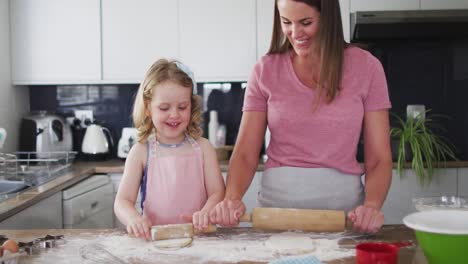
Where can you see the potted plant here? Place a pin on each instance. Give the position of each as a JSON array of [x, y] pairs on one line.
[[416, 138]]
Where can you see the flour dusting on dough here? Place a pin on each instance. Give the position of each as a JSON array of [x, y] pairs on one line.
[[221, 247], [290, 243]]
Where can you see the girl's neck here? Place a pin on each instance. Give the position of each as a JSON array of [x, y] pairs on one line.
[[170, 142]]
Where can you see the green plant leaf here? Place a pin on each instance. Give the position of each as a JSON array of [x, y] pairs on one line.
[[429, 150]]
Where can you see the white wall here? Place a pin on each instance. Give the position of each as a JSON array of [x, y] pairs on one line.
[[14, 101]]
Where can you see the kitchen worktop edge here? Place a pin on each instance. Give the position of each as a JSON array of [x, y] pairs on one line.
[[84, 169]]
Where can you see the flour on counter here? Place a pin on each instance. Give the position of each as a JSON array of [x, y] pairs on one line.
[[221, 248], [290, 243]]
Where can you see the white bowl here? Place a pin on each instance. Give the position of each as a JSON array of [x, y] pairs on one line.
[[451, 222], [441, 203]]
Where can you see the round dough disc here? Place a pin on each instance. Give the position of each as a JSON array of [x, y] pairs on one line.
[[173, 243], [290, 243]]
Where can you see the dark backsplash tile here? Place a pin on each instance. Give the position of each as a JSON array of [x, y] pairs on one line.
[[112, 105]]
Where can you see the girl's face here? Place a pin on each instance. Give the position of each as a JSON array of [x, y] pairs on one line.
[[170, 111], [300, 23]]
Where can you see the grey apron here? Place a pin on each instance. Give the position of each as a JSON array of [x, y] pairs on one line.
[[310, 188]]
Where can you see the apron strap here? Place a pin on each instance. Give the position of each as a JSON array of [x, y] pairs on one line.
[[150, 151]]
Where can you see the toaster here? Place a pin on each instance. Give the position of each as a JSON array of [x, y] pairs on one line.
[[43, 132]]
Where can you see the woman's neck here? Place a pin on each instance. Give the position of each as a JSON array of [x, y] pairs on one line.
[[307, 68], [309, 61]]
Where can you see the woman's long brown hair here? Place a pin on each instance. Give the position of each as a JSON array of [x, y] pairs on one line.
[[331, 46]]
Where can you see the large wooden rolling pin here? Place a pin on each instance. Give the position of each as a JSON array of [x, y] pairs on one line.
[[296, 219], [161, 232]]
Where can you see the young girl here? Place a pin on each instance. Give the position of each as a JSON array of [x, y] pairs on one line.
[[175, 169]]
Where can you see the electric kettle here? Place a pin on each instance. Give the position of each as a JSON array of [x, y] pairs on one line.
[[97, 142]]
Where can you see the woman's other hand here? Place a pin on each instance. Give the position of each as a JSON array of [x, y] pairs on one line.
[[227, 212], [366, 219], [140, 226]]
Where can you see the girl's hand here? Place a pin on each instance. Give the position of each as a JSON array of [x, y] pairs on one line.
[[227, 212], [366, 219], [140, 226], [201, 219]]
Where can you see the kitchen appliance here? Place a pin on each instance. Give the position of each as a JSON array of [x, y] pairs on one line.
[[128, 139], [3, 135], [43, 132], [97, 142], [89, 204], [414, 24]]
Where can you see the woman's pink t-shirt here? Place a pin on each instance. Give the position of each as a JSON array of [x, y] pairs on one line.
[[328, 137]]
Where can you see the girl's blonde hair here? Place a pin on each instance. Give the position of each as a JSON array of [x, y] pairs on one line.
[[331, 45], [161, 71]]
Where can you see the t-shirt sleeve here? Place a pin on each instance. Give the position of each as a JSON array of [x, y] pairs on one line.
[[254, 98], [377, 97]]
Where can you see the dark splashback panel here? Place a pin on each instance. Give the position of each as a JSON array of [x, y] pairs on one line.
[[112, 105], [433, 73]]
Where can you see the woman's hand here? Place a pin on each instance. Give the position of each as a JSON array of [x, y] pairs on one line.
[[366, 219], [139, 226], [227, 212], [201, 219]]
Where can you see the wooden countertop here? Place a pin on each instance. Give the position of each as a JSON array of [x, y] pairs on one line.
[[81, 170], [390, 233]]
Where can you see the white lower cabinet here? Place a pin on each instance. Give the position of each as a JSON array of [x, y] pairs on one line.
[[406, 187], [463, 182], [46, 214], [116, 178], [88, 204]]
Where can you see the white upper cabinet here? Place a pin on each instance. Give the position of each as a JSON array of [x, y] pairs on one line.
[[218, 38], [134, 35], [380, 5], [444, 4], [55, 41], [345, 18], [265, 13]]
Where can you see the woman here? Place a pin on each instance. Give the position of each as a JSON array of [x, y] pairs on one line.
[[316, 94]]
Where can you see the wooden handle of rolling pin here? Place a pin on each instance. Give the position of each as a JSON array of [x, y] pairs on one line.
[[298, 219], [161, 232], [246, 217]]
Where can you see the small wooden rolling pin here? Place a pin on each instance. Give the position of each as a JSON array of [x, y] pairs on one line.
[[162, 232], [296, 219]]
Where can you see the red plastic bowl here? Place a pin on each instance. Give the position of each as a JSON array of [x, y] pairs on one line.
[[377, 253]]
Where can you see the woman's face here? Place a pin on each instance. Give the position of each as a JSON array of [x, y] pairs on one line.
[[170, 110], [300, 23]]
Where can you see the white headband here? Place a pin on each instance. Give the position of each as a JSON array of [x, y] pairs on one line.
[[187, 71]]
